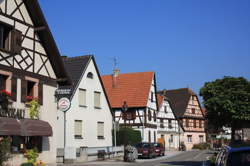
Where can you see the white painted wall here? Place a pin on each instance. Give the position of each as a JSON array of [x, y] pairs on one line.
[[89, 115]]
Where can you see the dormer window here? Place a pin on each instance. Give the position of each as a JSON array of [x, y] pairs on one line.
[[10, 39], [90, 75]]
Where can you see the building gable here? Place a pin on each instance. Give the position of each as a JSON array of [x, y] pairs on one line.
[[30, 46]]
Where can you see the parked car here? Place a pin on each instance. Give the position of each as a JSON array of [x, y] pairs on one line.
[[145, 149], [233, 156], [159, 149]]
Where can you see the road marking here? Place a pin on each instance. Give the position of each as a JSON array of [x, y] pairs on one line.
[[198, 155]]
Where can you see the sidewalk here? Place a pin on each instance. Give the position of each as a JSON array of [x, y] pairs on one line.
[[119, 160]]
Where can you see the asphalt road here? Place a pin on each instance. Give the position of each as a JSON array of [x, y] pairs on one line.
[[188, 158]]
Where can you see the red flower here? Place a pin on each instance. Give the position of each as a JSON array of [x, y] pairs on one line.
[[29, 97], [6, 92]]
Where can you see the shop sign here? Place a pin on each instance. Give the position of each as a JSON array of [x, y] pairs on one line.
[[64, 104], [64, 91], [12, 113]]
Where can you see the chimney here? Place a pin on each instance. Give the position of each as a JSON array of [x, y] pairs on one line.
[[116, 73]]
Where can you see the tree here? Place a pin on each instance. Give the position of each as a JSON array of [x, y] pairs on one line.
[[227, 102], [127, 135]]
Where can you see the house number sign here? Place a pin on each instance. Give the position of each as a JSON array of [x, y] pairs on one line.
[[64, 104]]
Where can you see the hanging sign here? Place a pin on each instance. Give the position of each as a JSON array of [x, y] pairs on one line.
[[64, 104]]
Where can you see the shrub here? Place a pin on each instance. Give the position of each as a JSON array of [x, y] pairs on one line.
[[26, 164], [4, 150], [128, 135], [201, 146], [31, 155]]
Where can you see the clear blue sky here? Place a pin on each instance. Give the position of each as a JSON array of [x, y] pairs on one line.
[[186, 42]]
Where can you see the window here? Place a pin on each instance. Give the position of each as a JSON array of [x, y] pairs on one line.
[[97, 99], [21, 144], [149, 136], [187, 122], [129, 115], [200, 123], [3, 79], [201, 138], [171, 139], [152, 96], [82, 97], [165, 109], [30, 88], [170, 123], [149, 115], [78, 129], [154, 136], [100, 130], [154, 116], [193, 110], [10, 39], [161, 123], [90, 75], [189, 137], [194, 123]]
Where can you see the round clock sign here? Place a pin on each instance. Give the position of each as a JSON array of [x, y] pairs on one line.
[[64, 104]]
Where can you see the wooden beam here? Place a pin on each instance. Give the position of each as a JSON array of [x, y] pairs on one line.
[[40, 28]]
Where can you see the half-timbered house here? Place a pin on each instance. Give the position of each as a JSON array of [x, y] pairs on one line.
[[89, 120], [30, 68], [133, 101], [169, 132], [187, 108]]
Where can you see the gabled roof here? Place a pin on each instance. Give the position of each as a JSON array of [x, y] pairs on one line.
[[134, 88], [179, 99], [47, 40], [160, 99], [77, 66]]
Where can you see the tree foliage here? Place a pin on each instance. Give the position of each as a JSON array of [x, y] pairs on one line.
[[227, 102]]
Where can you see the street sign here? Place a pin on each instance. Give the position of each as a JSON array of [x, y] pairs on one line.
[[64, 104]]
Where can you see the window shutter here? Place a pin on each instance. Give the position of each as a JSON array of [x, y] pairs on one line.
[[40, 93], [16, 42], [100, 129], [23, 90], [82, 97], [78, 127], [97, 99], [13, 88]]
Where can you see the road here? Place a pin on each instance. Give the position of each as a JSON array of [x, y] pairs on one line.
[[188, 158]]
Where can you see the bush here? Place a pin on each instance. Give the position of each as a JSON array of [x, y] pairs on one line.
[[128, 135], [201, 146], [4, 150], [26, 164], [31, 155]]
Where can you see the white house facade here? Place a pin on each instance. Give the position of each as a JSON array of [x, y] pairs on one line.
[[169, 132], [141, 102], [89, 120], [30, 68]]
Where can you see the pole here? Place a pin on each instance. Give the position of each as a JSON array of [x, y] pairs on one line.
[[64, 135], [115, 136], [179, 136]]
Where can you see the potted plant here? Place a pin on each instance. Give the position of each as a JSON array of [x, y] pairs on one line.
[[33, 108], [5, 99]]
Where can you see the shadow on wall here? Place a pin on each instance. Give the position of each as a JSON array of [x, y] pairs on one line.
[[46, 144]]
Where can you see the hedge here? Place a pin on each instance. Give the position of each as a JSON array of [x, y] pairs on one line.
[[127, 135]]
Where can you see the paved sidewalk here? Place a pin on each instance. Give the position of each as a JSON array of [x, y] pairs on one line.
[[119, 160]]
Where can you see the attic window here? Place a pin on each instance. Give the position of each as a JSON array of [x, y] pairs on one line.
[[90, 75], [10, 39]]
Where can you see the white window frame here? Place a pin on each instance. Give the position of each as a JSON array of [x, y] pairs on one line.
[[82, 101]]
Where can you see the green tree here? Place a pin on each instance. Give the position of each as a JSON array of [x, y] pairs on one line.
[[127, 135], [227, 102]]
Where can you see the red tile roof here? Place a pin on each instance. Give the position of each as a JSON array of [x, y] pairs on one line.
[[160, 99], [134, 88]]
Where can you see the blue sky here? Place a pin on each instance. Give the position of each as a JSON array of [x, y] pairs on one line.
[[186, 42]]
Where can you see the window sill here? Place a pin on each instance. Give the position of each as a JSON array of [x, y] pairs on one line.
[[84, 106], [78, 137], [100, 137], [98, 108]]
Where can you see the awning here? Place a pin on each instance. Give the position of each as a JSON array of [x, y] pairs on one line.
[[9, 126], [30, 127]]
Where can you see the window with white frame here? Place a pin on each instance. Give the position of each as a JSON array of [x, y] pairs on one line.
[[97, 99], [78, 129], [82, 97], [201, 138], [100, 130], [189, 137]]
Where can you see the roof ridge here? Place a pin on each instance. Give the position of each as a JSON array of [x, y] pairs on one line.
[[76, 57], [131, 73]]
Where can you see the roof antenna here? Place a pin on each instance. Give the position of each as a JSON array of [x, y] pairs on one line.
[[116, 73]]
